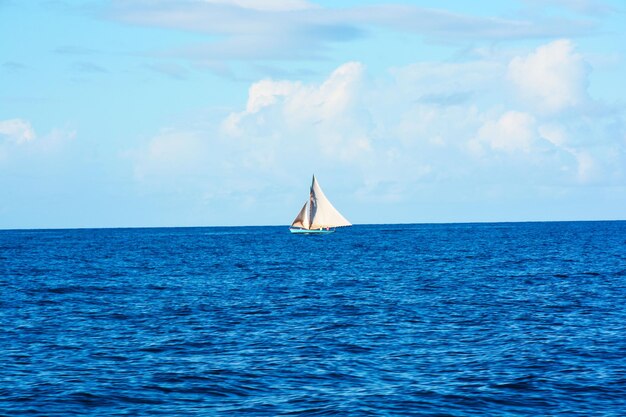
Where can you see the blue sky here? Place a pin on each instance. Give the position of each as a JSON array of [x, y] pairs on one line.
[[216, 112]]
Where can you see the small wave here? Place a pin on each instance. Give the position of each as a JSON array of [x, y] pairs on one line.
[[379, 323], [89, 399]]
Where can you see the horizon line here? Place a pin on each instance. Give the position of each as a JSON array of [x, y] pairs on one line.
[[287, 226]]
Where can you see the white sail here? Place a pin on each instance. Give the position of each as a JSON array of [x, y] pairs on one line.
[[302, 219], [323, 214]]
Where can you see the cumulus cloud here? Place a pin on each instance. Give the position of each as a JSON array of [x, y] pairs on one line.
[[323, 110], [513, 131], [593, 161], [430, 121], [422, 132], [554, 76], [554, 133], [21, 146], [17, 130]]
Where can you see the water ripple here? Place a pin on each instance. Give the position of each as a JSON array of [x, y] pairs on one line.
[[437, 320]]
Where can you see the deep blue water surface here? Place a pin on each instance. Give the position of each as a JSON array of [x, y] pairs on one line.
[[458, 320]]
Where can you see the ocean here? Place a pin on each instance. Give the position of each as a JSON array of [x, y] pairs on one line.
[[502, 319]]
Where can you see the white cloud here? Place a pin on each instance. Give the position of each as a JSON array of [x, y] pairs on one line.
[[424, 132], [19, 142], [273, 5], [513, 131], [441, 82], [170, 154], [302, 103], [596, 161], [321, 112], [17, 130], [554, 76], [296, 29], [587, 166], [554, 133], [592, 7], [430, 120], [266, 92]]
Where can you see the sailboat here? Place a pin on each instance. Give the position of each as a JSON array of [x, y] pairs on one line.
[[317, 216]]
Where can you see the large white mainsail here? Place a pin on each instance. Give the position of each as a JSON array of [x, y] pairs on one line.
[[323, 214], [317, 216], [302, 219]]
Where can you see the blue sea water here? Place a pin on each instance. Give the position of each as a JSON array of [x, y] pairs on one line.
[[447, 320]]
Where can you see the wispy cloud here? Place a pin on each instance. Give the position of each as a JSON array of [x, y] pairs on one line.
[[74, 50], [13, 66], [446, 25], [243, 30], [169, 69], [590, 7], [89, 68]]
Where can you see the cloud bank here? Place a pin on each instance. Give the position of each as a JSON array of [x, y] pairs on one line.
[[415, 135]]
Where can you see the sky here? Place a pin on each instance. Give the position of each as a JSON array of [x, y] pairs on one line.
[[136, 113]]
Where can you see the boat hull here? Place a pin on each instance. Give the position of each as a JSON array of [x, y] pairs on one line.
[[297, 231]]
